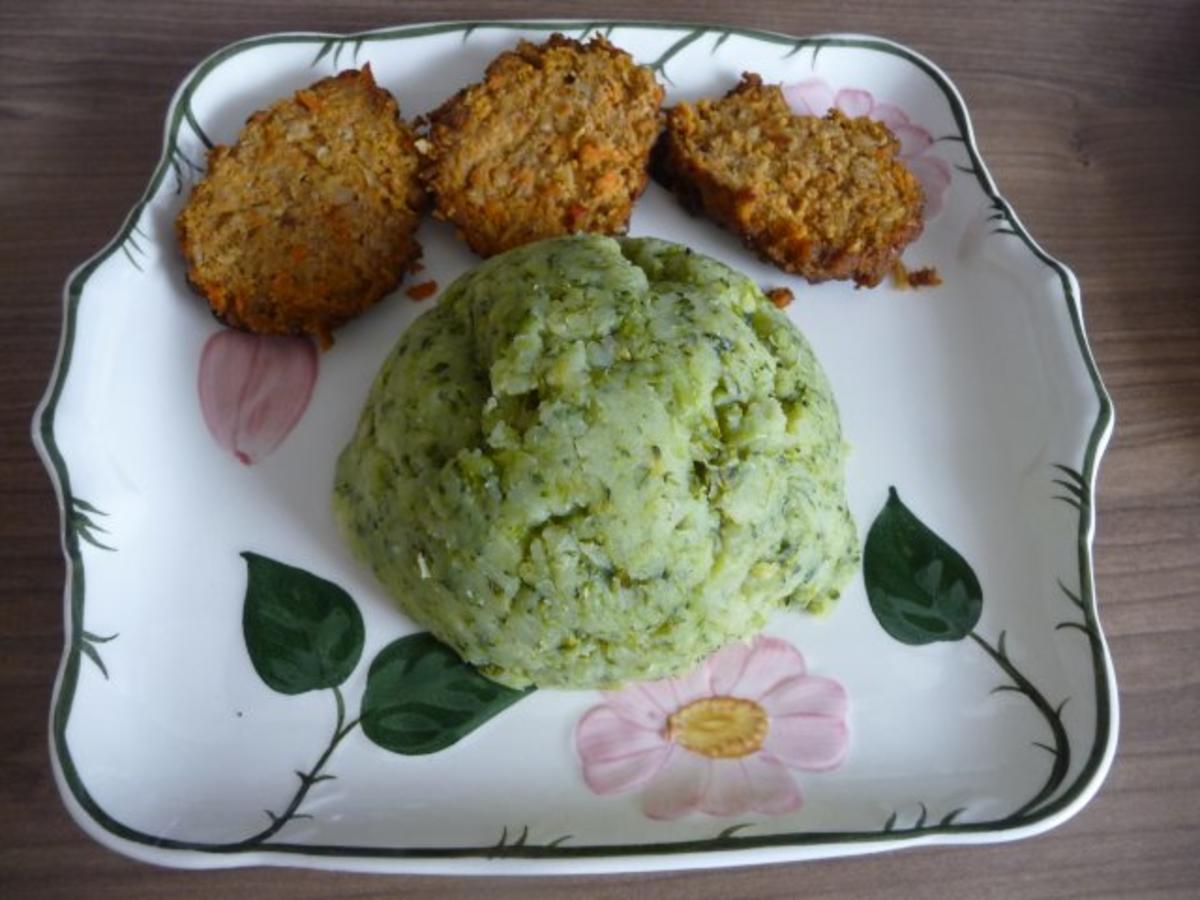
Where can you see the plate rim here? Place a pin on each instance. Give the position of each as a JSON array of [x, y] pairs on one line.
[[526, 859]]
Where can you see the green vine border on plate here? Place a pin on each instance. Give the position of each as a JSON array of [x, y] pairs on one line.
[[173, 160]]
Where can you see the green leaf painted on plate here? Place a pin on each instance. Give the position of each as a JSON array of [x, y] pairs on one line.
[[303, 633], [85, 528], [921, 589], [94, 655], [421, 697]]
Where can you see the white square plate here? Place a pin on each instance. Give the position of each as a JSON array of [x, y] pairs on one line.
[[978, 400]]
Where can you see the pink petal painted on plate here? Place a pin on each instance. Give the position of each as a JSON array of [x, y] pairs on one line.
[[728, 792], [615, 757], [934, 174], [772, 789], [854, 102], [617, 776], [891, 116], [811, 97], [913, 140], [660, 693], [638, 707], [602, 734], [770, 662], [679, 786], [649, 703], [254, 389], [812, 743], [725, 667], [805, 695], [692, 686]]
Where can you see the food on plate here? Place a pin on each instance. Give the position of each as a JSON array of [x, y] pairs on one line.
[[927, 276], [599, 460], [782, 297], [310, 217], [823, 197], [555, 140], [904, 278], [422, 291]]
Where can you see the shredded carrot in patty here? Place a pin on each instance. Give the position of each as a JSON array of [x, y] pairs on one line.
[[926, 277], [905, 278], [422, 291], [781, 296]]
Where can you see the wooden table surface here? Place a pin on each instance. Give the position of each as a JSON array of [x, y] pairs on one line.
[[1088, 114]]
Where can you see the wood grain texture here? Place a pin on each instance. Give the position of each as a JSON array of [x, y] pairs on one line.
[[1088, 114]]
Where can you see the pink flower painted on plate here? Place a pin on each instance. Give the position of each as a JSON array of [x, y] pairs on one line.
[[254, 389], [813, 97], [721, 740]]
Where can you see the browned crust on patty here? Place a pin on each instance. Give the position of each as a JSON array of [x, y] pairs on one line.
[[555, 140], [309, 218], [822, 197]]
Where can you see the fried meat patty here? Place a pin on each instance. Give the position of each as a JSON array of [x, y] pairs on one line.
[[555, 140], [820, 197], [309, 218]]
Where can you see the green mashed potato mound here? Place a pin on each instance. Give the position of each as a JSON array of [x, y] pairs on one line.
[[599, 460]]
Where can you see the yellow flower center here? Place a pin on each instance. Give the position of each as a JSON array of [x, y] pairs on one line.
[[719, 727]]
